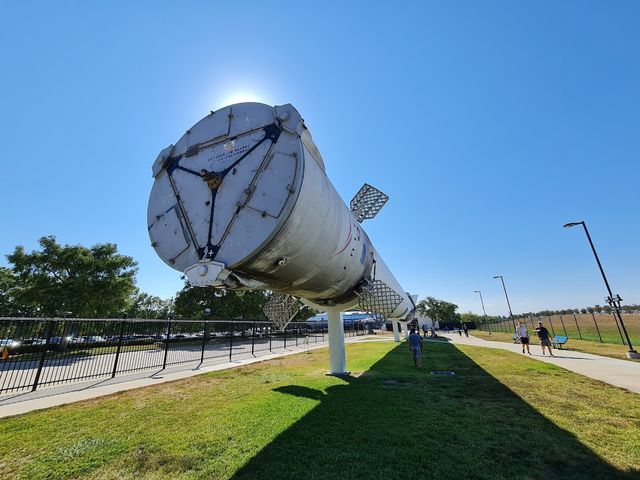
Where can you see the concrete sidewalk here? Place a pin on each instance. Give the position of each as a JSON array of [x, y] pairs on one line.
[[16, 404], [621, 373]]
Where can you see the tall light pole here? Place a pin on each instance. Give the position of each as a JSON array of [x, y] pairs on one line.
[[614, 302], [507, 297], [483, 310]]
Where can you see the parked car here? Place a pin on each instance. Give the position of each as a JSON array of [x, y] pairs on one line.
[[9, 343]]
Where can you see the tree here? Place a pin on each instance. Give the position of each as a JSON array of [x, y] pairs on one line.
[[597, 308], [8, 290], [143, 305], [304, 313], [583, 310], [89, 282], [469, 317], [191, 302], [437, 309]]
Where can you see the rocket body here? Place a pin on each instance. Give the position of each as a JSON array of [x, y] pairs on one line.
[[242, 201]]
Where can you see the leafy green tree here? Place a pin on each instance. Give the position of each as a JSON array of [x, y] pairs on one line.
[[8, 290], [437, 309], [191, 302], [471, 317], [144, 305], [304, 313], [89, 282]]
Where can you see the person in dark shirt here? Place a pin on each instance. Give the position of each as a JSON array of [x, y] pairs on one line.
[[543, 335], [415, 347], [465, 329]]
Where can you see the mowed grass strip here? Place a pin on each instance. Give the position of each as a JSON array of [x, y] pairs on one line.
[[605, 349], [501, 416]]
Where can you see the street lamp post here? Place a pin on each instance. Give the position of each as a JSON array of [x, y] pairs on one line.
[[613, 301], [507, 297], [483, 310]]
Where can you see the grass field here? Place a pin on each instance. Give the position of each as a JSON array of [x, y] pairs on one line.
[[583, 327], [502, 416], [606, 349]]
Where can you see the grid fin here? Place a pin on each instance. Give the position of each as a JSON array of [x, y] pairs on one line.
[[281, 308], [367, 202], [378, 300]]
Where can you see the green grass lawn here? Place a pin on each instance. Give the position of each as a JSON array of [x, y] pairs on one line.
[[582, 327], [502, 416], [605, 349]]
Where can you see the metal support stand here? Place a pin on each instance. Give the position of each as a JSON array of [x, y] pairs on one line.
[[396, 333], [405, 329], [337, 359]]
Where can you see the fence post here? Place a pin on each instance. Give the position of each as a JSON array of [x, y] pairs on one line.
[[253, 337], [44, 355], [284, 332], [269, 331], [552, 329], [166, 345], [565, 330], [297, 334], [231, 341], [115, 362], [204, 340], [619, 331], [594, 321], [577, 326]]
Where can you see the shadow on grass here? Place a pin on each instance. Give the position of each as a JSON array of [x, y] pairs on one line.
[[398, 422]]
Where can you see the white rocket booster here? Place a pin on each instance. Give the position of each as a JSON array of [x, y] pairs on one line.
[[242, 201]]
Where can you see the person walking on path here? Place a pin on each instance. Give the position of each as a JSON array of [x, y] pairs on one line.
[[415, 347], [523, 335], [466, 329], [424, 329], [543, 335]]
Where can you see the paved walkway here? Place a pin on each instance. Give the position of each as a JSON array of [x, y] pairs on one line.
[[15, 404], [621, 373]]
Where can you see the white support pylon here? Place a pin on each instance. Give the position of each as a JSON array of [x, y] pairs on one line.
[[396, 333], [405, 329], [337, 358]]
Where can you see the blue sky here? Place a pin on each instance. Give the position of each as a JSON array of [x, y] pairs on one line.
[[489, 124]]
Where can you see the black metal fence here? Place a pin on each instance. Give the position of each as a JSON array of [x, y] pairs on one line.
[[36, 352], [594, 327]]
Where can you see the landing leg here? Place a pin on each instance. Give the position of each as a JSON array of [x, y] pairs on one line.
[[337, 359]]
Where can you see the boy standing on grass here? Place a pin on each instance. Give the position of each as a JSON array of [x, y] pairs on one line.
[[415, 347], [523, 335], [543, 335]]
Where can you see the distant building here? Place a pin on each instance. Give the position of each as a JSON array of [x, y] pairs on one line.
[[419, 321], [348, 318]]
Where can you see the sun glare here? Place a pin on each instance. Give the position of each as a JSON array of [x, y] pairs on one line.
[[239, 97]]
